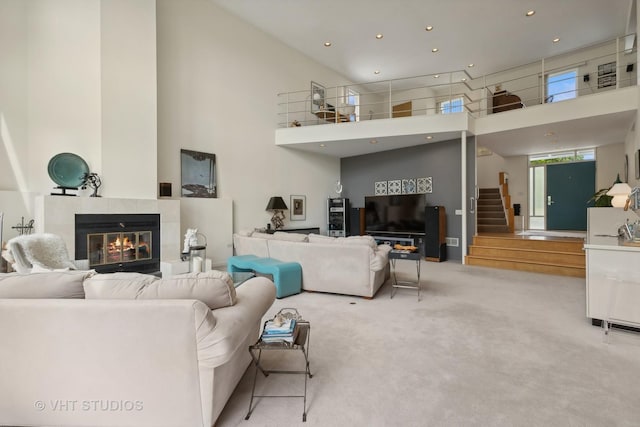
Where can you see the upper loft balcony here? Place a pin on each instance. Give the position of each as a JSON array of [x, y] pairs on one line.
[[590, 95]]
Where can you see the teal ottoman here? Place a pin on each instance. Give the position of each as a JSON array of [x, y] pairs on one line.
[[287, 276]]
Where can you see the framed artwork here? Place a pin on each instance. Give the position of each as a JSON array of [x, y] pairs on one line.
[[381, 188], [608, 68], [425, 185], [198, 173], [626, 168], [317, 97], [394, 186], [409, 186], [606, 81], [298, 206]]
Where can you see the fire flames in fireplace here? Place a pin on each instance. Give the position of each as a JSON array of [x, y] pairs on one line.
[[110, 248]]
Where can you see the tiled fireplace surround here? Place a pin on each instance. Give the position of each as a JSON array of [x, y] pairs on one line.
[[56, 214]]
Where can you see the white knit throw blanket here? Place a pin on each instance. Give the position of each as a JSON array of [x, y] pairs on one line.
[[41, 249]]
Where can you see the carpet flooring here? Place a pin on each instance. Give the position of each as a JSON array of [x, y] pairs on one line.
[[483, 347]]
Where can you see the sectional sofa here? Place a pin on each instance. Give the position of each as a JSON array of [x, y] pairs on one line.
[[354, 265], [85, 349]]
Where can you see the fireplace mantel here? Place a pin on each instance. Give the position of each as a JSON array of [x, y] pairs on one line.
[[56, 214]]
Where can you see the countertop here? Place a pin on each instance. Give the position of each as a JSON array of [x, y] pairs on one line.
[[610, 243]]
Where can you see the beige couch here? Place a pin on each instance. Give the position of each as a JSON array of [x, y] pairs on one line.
[[351, 266], [126, 357]]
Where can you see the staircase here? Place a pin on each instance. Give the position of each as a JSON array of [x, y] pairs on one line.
[[561, 256], [491, 214]]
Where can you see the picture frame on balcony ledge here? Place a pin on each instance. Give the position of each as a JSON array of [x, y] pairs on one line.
[[198, 173], [316, 97]]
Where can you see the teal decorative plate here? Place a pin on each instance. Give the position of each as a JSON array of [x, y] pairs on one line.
[[68, 170]]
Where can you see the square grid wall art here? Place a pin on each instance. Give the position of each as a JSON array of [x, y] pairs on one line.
[[425, 185], [381, 188], [409, 186], [394, 187]]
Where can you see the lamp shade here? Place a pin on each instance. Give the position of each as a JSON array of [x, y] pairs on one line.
[[276, 203], [620, 193]]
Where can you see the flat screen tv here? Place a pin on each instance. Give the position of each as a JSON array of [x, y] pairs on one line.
[[402, 213]]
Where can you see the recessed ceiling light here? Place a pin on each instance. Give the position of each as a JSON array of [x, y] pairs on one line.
[[376, 72], [327, 44], [373, 141], [379, 36], [531, 13], [434, 50], [436, 76], [429, 28], [429, 137], [322, 145], [471, 65], [549, 134], [464, 79], [556, 40]]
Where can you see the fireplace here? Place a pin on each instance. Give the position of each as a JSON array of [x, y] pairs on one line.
[[119, 242]]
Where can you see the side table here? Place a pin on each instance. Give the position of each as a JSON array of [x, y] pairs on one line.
[[395, 255], [300, 342]]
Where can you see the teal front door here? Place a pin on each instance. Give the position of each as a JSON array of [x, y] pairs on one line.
[[569, 188]]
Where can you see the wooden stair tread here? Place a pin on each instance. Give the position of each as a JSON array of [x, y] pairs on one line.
[[524, 261], [531, 250]]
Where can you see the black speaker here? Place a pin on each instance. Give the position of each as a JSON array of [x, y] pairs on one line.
[[585, 78], [435, 229], [356, 222], [516, 209], [629, 68]]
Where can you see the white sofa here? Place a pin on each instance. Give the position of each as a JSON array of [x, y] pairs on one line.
[[351, 266], [117, 361]]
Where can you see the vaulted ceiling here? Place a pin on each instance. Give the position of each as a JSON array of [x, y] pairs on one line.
[[494, 35]]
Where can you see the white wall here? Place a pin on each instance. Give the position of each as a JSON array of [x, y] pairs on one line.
[[63, 84], [609, 164], [80, 78], [13, 99], [488, 170], [128, 98], [218, 80]]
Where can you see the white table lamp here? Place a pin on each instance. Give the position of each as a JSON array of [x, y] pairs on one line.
[[620, 193]]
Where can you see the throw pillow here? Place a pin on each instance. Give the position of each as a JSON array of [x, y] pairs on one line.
[[50, 284]]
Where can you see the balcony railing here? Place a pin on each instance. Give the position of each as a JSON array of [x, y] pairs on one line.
[[606, 66]]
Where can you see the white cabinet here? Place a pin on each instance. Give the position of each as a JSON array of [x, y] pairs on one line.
[[613, 269], [613, 284]]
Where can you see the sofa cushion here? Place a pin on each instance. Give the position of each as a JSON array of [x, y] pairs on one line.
[[214, 288], [259, 235], [318, 238], [290, 237], [51, 284], [359, 240], [117, 285]]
